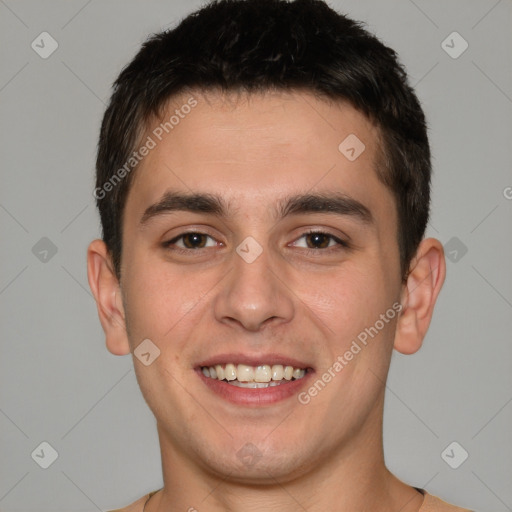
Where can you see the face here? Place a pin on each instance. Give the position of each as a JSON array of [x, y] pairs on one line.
[[252, 238]]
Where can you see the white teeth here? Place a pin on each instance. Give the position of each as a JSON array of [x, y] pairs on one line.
[[244, 373], [297, 373], [254, 385], [263, 373], [277, 372], [261, 376], [230, 372], [220, 372]]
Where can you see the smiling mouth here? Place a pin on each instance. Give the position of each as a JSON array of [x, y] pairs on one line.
[[254, 377]]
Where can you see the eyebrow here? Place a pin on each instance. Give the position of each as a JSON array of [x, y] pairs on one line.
[[335, 203]]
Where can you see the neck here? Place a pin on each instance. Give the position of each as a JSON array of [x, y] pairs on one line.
[[353, 477]]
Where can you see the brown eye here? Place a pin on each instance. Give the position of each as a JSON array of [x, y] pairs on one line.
[[191, 240], [194, 240], [318, 240], [314, 240]]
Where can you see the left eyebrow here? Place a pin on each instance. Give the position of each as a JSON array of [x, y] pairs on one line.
[[335, 203]]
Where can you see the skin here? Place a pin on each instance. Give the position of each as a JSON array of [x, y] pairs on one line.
[[253, 151]]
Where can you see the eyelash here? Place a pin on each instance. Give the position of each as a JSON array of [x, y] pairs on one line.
[[341, 243]]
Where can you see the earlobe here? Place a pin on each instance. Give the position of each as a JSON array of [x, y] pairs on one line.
[[105, 288], [419, 295]]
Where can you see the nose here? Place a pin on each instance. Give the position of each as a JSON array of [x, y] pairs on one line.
[[254, 295]]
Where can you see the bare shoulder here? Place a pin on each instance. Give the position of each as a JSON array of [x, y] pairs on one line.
[[136, 506], [434, 504]]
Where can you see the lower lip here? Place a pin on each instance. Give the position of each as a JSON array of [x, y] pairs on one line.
[[255, 396]]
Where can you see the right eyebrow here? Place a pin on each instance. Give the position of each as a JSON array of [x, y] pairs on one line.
[[197, 203]]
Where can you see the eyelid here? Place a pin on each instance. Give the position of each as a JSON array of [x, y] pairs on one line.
[[173, 240], [339, 241]]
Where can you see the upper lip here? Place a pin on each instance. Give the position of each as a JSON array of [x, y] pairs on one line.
[[254, 360]]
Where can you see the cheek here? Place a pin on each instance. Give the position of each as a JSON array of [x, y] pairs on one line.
[[347, 307], [169, 305], [158, 299], [344, 301]]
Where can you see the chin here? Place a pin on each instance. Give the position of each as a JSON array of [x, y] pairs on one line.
[[261, 462]]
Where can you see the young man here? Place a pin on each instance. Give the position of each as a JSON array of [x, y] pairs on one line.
[[263, 182]]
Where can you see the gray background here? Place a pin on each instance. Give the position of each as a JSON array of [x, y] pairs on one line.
[[59, 384]]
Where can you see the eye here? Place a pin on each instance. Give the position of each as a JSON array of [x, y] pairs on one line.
[[190, 240], [314, 240]]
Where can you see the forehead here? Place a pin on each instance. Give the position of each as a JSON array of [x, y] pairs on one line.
[[255, 148], [238, 125]]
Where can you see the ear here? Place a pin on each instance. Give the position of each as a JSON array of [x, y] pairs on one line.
[[107, 293], [419, 294]]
